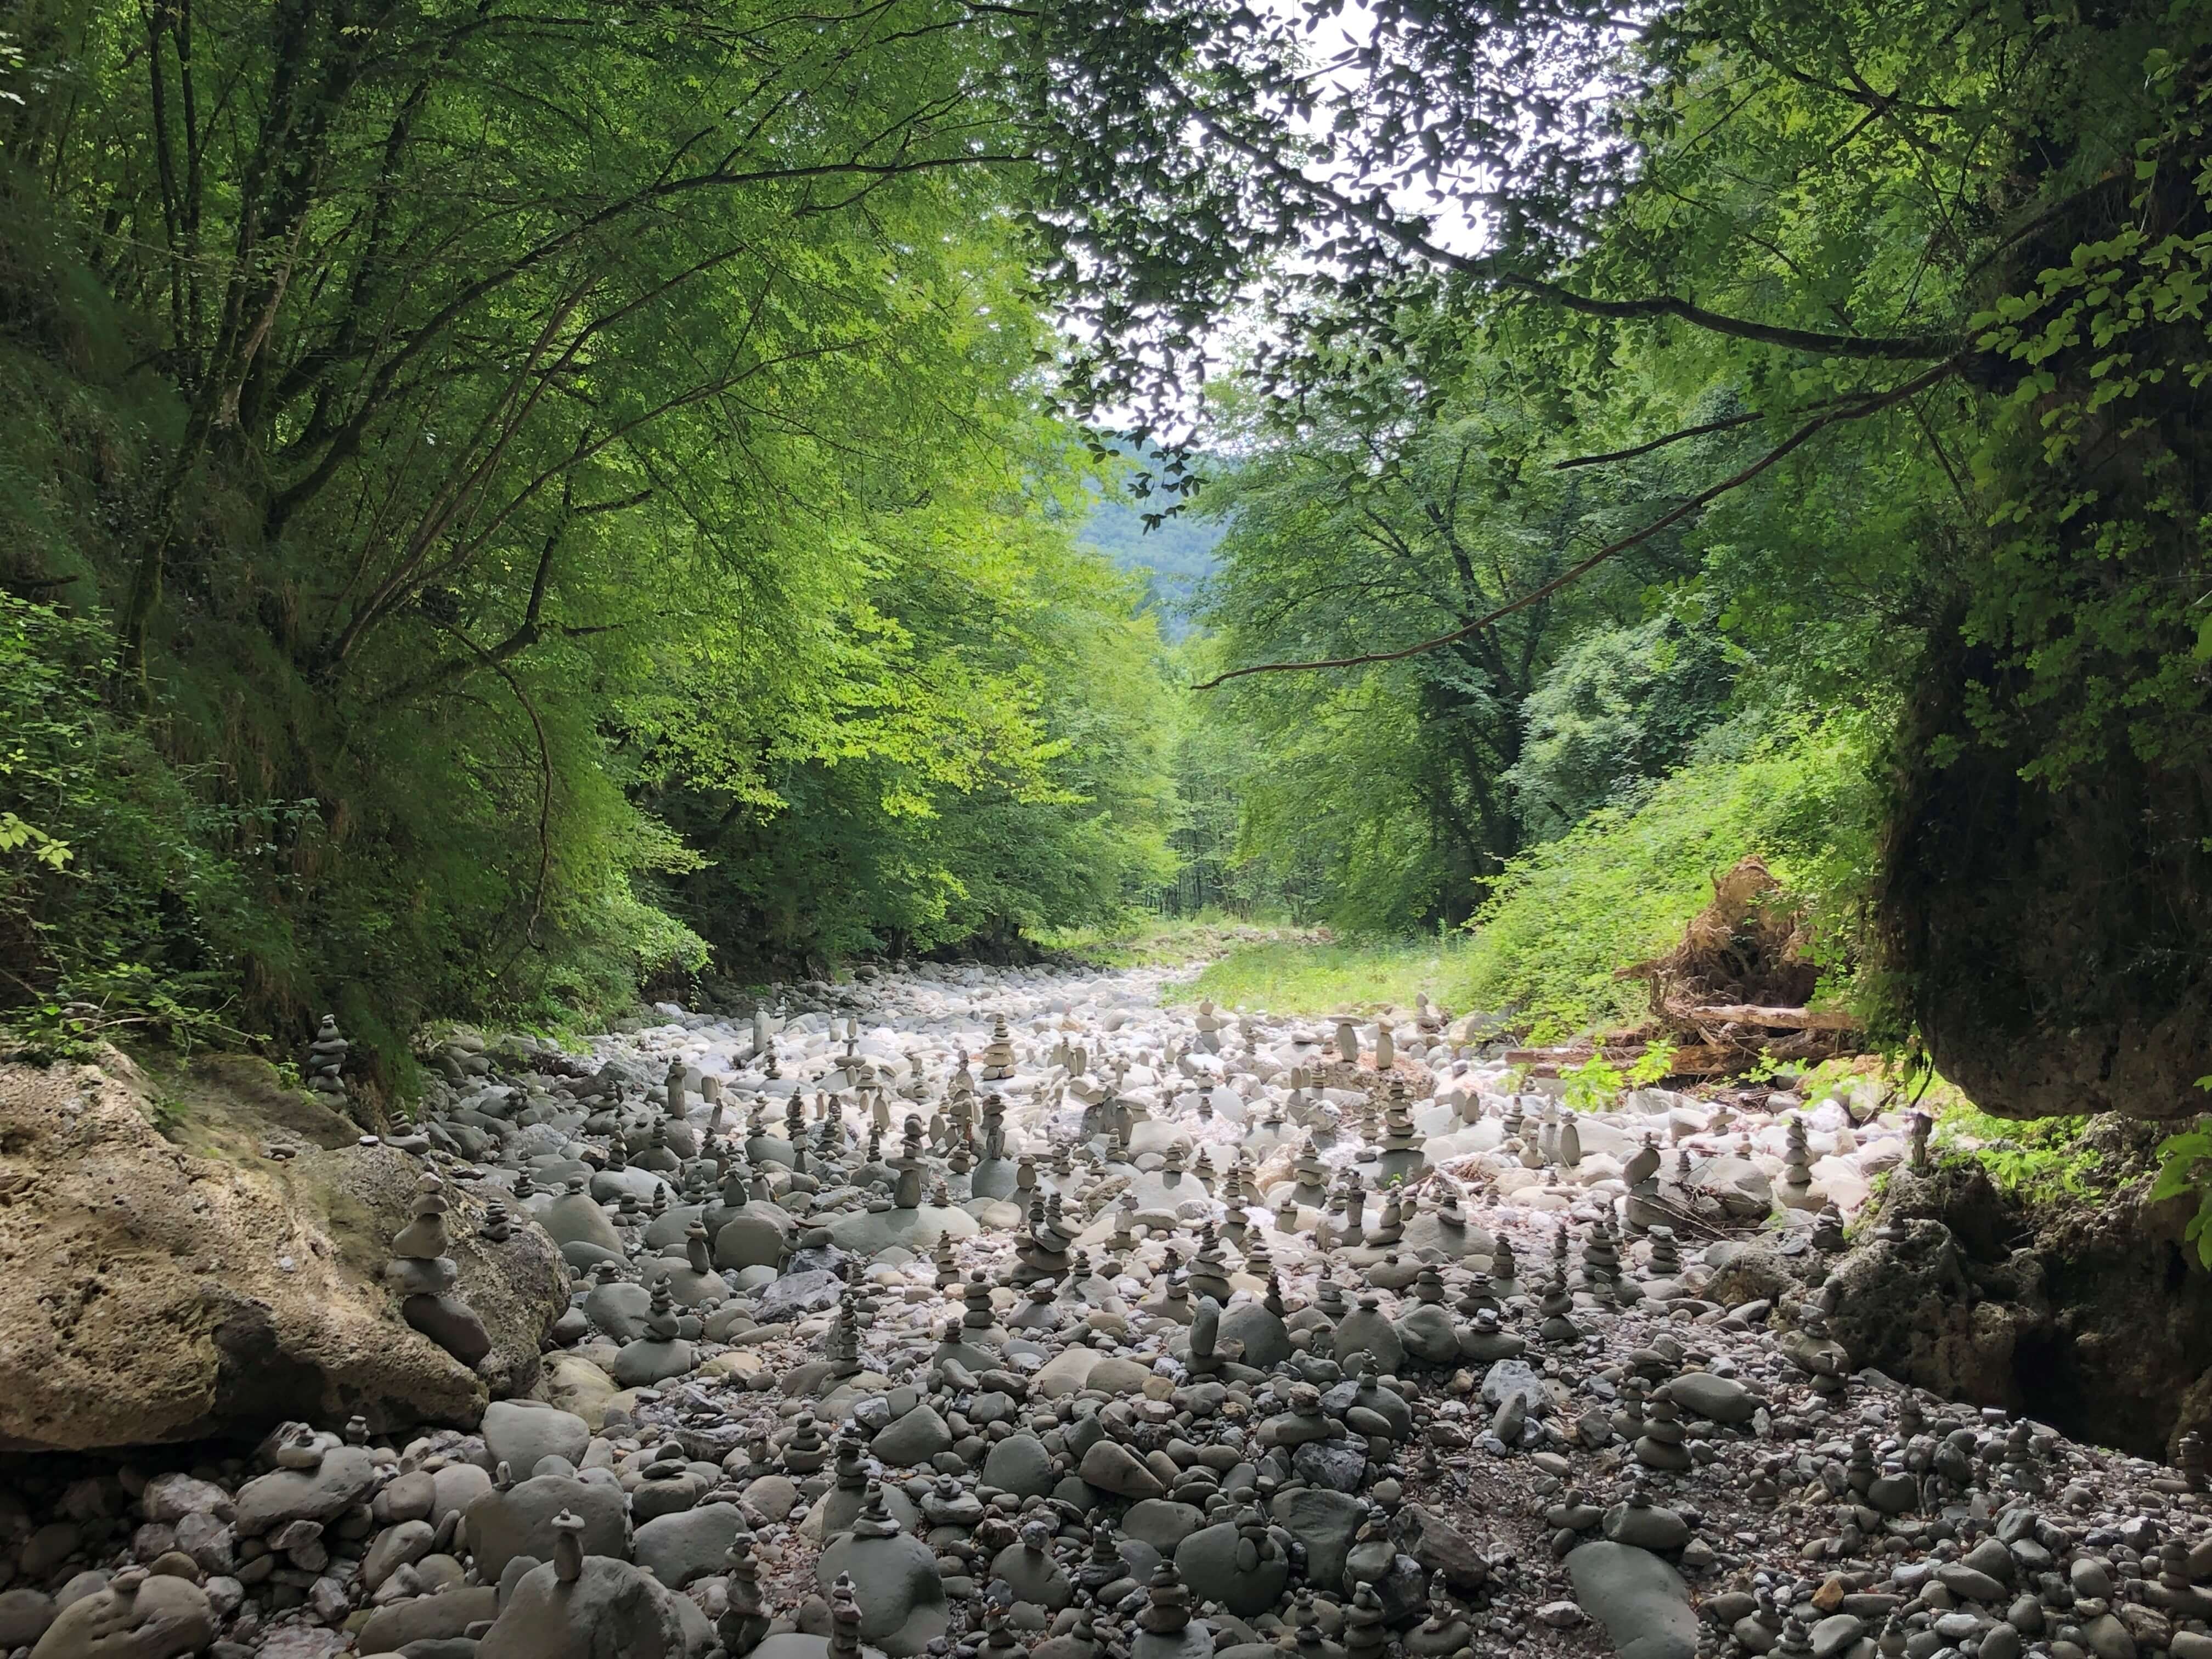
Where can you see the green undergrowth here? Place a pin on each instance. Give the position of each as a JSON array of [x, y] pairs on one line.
[[1547, 948], [1597, 1084], [2184, 1165], [1287, 976], [2041, 1160]]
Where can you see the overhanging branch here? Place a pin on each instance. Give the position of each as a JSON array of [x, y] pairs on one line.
[[1378, 217], [1854, 411]]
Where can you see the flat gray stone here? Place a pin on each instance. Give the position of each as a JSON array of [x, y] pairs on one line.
[[795, 1294], [427, 1618], [1207, 1561], [914, 1439], [1163, 1523], [1324, 1521], [611, 1612], [1836, 1634], [518, 1433], [1717, 1399], [1112, 1467], [1019, 1464], [901, 1595], [1640, 1599], [165, 1618], [1065, 1372], [1266, 1342], [344, 1478], [1332, 1465], [691, 1545], [1516, 1379], [1115, 1375], [502, 1525]]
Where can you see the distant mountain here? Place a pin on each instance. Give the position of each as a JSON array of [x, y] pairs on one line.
[[1176, 558]]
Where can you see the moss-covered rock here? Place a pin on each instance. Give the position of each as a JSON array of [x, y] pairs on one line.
[[152, 1291]]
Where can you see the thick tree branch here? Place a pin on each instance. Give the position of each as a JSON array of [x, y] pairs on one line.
[[1632, 451], [1378, 216], [345, 441], [1574, 573]]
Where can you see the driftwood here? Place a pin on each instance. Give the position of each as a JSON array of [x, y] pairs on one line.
[[1747, 948], [1728, 996], [1734, 990], [1779, 1019]]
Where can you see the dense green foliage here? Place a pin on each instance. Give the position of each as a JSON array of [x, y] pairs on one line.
[[513, 504], [1618, 887], [1410, 784], [1824, 368], [561, 488]]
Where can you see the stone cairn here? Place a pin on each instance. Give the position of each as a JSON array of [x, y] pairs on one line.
[[326, 1057], [424, 1273], [998, 1053]]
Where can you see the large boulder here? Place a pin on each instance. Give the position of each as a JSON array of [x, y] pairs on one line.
[[343, 1480], [1640, 1599], [612, 1611], [167, 1289], [1019, 1464], [1325, 1523], [1266, 1342], [690, 1544], [133, 1617], [442, 1617], [1922, 1312], [572, 1383], [518, 1432], [1214, 1561], [501, 1525], [902, 1598]]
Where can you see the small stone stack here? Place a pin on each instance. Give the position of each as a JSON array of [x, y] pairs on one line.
[[998, 1053], [1044, 1253], [425, 1274], [326, 1057], [1796, 1166], [910, 1165], [1399, 1137]]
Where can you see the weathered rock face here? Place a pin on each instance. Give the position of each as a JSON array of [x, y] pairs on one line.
[[2053, 938], [150, 1294], [1915, 1311], [2094, 1318]]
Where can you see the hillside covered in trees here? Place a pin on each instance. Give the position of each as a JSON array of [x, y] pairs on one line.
[[507, 506], [504, 504]]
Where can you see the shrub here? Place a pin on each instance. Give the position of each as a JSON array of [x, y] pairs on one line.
[[1619, 887]]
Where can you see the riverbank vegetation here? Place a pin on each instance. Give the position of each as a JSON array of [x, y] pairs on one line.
[[505, 509]]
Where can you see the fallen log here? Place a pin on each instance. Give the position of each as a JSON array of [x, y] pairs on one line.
[[1779, 1019], [1704, 1059]]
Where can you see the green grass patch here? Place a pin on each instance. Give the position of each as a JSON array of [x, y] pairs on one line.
[[1173, 942], [1327, 977], [1619, 887]]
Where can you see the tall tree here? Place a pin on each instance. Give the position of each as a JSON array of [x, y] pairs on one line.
[[1969, 240], [508, 419]]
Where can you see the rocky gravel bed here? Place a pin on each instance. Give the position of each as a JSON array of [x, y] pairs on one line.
[[978, 1311]]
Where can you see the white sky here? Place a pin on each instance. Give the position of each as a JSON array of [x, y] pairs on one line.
[[1454, 223]]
